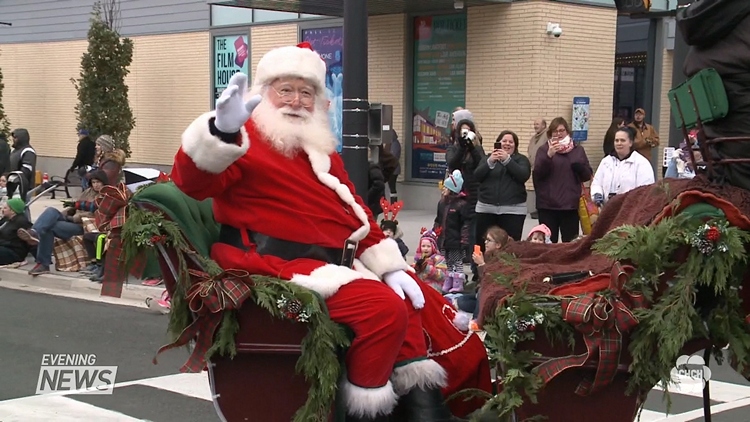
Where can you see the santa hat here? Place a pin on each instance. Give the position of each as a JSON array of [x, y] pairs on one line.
[[299, 61]]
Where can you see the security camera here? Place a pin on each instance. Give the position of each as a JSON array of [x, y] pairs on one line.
[[554, 29]]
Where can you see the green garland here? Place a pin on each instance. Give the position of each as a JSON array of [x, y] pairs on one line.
[[715, 260], [319, 363]]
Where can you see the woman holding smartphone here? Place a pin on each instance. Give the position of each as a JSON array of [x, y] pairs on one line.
[[502, 188]]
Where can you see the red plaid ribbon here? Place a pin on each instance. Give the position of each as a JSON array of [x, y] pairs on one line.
[[602, 318], [111, 213], [209, 297]]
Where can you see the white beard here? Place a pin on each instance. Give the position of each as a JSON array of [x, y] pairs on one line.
[[289, 130]]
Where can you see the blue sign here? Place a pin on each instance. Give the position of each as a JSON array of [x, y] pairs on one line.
[[580, 121], [329, 43]]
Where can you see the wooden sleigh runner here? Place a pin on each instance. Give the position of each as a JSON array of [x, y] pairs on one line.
[[582, 347]]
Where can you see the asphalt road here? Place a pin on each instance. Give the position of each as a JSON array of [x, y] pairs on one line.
[[33, 324]]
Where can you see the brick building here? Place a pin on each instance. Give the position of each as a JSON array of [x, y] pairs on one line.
[[513, 70]]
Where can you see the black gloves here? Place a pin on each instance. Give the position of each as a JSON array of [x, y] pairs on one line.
[[599, 199]]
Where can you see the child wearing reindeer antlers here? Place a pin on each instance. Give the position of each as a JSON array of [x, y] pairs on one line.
[[389, 224], [428, 262]]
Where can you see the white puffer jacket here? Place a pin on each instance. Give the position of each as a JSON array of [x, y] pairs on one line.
[[615, 176]]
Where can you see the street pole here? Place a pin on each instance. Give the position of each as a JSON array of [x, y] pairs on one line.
[[355, 102], [678, 76]]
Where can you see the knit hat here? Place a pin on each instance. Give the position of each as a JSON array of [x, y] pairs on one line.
[[99, 175], [17, 205], [454, 182], [83, 132], [106, 143], [463, 114], [297, 60], [430, 236], [542, 228]]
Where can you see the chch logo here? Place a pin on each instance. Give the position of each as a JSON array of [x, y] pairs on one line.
[[690, 374]]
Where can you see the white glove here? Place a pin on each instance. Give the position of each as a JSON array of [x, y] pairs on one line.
[[467, 134], [401, 283], [231, 110]]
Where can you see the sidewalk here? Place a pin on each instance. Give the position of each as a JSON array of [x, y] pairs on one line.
[[134, 294], [70, 284]]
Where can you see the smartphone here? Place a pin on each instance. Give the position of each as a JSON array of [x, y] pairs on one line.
[[477, 250], [498, 145]]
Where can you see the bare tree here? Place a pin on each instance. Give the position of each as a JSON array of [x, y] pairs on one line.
[[111, 14]]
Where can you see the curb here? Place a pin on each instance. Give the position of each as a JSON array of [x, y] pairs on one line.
[[20, 279]]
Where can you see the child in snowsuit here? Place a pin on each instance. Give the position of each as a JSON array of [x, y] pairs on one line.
[[390, 229], [453, 217], [429, 263]]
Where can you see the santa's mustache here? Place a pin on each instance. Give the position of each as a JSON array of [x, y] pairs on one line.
[[299, 113]]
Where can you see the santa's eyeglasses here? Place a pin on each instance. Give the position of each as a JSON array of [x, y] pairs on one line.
[[287, 94]]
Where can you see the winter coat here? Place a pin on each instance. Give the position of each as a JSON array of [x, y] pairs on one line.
[[84, 207], [23, 158], [467, 159], [615, 176], [557, 180], [9, 235], [432, 270], [4, 156], [375, 189], [85, 154], [718, 33], [395, 149], [505, 184], [535, 142], [453, 216], [642, 133]]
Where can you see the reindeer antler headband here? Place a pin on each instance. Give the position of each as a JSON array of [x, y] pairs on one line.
[[390, 211]]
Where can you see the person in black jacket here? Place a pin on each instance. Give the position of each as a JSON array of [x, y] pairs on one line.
[[718, 33], [465, 154], [23, 159], [4, 155], [502, 189], [375, 189], [85, 155], [12, 248]]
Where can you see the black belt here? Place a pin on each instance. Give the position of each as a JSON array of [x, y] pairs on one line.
[[285, 249]]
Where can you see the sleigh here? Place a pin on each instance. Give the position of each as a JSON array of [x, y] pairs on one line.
[[599, 306], [267, 376]]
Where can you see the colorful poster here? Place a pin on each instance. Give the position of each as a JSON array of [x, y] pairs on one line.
[[231, 55], [329, 43], [439, 87], [580, 120]]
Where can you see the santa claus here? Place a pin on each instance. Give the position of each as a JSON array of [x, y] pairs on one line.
[[287, 209]]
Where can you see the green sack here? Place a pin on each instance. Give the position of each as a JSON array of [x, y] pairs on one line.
[[710, 99]]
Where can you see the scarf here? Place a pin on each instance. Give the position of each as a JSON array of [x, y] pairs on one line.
[[565, 145]]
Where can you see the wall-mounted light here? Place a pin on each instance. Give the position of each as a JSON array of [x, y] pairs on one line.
[[458, 4]]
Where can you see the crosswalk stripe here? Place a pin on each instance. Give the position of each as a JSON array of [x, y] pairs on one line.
[[698, 413], [651, 416], [192, 385], [720, 391], [59, 409]]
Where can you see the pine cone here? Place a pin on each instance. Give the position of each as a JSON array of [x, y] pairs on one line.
[[294, 307]]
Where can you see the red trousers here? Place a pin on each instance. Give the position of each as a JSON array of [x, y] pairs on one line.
[[388, 330]]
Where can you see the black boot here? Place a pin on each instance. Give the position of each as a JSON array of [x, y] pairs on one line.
[[420, 405]]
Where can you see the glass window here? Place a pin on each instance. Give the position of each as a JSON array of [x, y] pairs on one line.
[[307, 16], [272, 15], [225, 15]]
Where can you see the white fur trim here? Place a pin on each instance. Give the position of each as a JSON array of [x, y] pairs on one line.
[[369, 402], [424, 374], [384, 257], [292, 61], [462, 320], [327, 280], [321, 165], [366, 273], [208, 152]]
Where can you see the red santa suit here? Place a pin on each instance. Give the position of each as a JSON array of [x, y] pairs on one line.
[[308, 199]]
